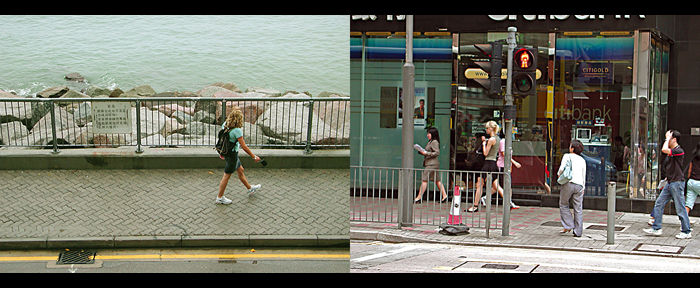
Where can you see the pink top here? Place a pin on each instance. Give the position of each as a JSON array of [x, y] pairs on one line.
[[500, 161]]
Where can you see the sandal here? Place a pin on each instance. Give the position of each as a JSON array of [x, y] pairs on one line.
[[473, 209]]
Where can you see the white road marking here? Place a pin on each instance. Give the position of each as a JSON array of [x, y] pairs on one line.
[[385, 254]]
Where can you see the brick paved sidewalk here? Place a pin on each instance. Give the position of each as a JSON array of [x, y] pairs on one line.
[[539, 227], [54, 208]]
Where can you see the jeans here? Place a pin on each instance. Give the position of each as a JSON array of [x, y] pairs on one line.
[[692, 193], [672, 191]]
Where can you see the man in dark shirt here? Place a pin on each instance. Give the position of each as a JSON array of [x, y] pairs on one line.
[[673, 190]]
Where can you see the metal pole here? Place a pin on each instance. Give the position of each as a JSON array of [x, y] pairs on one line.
[[611, 212], [307, 150], [509, 117], [138, 126], [487, 190], [406, 206], [53, 128]]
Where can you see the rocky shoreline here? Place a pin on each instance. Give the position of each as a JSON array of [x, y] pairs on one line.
[[175, 123]]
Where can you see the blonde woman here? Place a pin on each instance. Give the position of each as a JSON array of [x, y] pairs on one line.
[[490, 147], [234, 121]]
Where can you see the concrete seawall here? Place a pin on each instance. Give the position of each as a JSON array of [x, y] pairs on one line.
[[164, 158]]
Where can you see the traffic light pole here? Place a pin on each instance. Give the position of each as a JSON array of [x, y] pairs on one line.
[[409, 71], [509, 117]]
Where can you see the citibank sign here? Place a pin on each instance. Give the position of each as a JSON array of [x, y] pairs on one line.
[[558, 17]]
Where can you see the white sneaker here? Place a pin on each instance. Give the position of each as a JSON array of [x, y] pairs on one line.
[[483, 201], [651, 221], [683, 235], [513, 206], [223, 200], [651, 231], [253, 188]]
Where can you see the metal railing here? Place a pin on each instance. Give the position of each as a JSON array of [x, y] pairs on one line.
[[269, 122], [375, 196]]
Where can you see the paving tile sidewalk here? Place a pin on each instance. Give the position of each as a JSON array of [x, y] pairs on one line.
[[536, 227], [172, 207]]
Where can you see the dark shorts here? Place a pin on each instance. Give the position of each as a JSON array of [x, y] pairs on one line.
[[232, 164], [490, 166]]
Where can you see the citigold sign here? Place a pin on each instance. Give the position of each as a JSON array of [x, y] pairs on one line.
[[477, 73]]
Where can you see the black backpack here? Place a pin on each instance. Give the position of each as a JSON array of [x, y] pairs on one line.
[[223, 146]]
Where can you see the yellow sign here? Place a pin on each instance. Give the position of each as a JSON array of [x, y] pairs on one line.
[[477, 73]]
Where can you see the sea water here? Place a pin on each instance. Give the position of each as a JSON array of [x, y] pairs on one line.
[[176, 52]]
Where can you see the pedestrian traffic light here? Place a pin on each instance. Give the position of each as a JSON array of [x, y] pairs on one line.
[[491, 62], [524, 72]]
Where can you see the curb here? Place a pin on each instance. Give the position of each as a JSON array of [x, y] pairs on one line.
[[392, 238], [184, 241]]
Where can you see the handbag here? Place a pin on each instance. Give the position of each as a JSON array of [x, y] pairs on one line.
[[566, 175]]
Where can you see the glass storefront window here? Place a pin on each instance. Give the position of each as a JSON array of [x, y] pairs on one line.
[[593, 103], [472, 108]]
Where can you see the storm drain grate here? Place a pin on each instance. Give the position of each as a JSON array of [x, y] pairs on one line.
[[552, 224], [659, 248], [76, 257], [605, 227], [500, 266]]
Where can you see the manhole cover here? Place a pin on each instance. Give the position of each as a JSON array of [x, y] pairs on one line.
[[500, 266], [552, 223], [659, 248], [604, 227], [76, 257]]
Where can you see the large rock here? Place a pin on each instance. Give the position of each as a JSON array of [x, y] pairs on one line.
[[169, 109], [12, 130], [205, 117], [266, 91], [251, 109], [63, 120], [14, 111], [94, 91], [227, 86], [53, 92], [288, 122], [139, 91], [75, 77], [152, 122], [209, 92]]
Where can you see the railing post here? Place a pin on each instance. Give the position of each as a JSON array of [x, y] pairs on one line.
[[223, 110], [307, 150], [487, 190], [53, 128], [138, 126]]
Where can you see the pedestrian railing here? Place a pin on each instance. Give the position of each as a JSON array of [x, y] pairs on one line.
[[269, 122], [375, 197]]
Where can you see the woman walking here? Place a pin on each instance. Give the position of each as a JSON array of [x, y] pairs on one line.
[[234, 122], [501, 166], [490, 147], [431, 164], [693, 179], [572, 191]]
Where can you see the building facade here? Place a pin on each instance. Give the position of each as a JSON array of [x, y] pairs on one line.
[[614, 82]]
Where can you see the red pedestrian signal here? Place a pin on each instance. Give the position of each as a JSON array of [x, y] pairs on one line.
[[524, 72]]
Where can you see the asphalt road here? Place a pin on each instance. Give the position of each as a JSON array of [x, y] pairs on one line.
[[379, 257], [183, 261]]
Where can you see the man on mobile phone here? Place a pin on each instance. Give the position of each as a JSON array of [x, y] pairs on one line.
[[673, 190]]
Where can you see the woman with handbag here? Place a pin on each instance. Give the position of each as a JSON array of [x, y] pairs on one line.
[[431, 164], [490, 147], [572, 177]]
